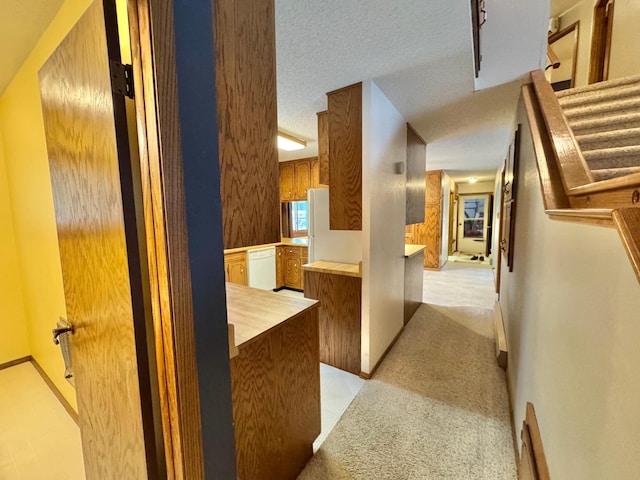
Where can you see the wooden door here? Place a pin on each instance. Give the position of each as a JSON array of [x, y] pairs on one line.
[[286, 182], [238, 273], [323, 147], [92, 184], [302, 178], [315, 174]]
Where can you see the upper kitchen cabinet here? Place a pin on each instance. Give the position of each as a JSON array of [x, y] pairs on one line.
[[323, 148], [345, 158], [296, 177], [247, 117], [416, 183]]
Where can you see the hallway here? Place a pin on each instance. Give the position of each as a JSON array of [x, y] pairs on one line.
[[437, 408]]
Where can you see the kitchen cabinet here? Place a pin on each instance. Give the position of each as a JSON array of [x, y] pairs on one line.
[[296, 177], [345, 158], [416, 182], [294, 258], [338, 287], [279, 267], [275, 382], [245, 61], [302, 175], [323, 148], [235, 268], [287, 182]]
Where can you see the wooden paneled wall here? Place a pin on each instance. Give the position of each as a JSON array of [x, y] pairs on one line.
[[429, 233], [345, 158], [247, 120]]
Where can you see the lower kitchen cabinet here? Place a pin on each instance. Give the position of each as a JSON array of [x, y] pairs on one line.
[[279, 267], [235, 268], [293, 259]]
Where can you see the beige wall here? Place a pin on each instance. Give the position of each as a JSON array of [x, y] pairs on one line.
[[14, 342], [624, 60], [31, 199], [384, 142], [478, 187], [571, 312]]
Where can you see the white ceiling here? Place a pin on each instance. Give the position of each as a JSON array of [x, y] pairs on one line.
[[21, 24], [420, 54]]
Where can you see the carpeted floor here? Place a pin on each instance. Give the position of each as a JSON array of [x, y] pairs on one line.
[[436, 409]]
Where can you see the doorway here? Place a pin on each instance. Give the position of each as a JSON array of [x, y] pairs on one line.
[[601, 41], [473, 212]]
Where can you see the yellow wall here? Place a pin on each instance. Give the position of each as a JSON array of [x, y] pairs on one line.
[[13, 340], [625, 60], [31, 199]]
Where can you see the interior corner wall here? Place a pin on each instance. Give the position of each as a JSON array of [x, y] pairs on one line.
[[14, 342], [495, 232], [29, 184], [384, 143], [571, 316], [624, 59]]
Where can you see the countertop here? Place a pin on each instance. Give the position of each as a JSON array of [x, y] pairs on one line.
[[410, 250], [292, 242], [347, 269], [254, 312]]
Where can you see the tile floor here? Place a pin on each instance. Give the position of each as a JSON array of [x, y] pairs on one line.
[[337, 390], [38, 439], [460, 284]]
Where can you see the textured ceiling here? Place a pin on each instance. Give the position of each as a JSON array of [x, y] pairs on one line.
[[21, 24], [419, 52]]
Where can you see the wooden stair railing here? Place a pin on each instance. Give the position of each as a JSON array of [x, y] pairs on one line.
[[569, 190], [574, 170]]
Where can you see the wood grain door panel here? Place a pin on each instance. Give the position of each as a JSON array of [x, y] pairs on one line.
[[302, 179], [287, 181], [86, 168], [323, 147]]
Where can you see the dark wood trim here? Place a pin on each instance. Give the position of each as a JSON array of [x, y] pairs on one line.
[[133, 218], [17, 361], [368, 376], [67, 406], [475, 25], [565, 31], [600, 42]]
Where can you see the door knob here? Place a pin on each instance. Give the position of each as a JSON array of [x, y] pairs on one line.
[[59, 331]]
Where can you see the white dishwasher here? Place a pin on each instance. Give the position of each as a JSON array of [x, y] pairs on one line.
[[261, 264]]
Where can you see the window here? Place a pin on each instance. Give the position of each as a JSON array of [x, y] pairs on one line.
[[299, 218], [474, 218]]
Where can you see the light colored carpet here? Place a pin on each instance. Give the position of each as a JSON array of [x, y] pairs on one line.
[[604, 117], [436, 409]]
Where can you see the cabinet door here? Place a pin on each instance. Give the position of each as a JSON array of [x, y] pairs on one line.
[[302, 179], [235, 268], [292, 272], [279, 267], [238, 273], [323, 148], [287, 175], [315, 173]]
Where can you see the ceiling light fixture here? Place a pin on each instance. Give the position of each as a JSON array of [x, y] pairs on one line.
[[289, 143], [473, 180]]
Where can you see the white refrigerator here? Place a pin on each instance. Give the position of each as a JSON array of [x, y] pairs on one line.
[[343, 246]]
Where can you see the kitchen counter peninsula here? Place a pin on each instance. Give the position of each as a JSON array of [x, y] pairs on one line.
[[275, 380], [338, 287]]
